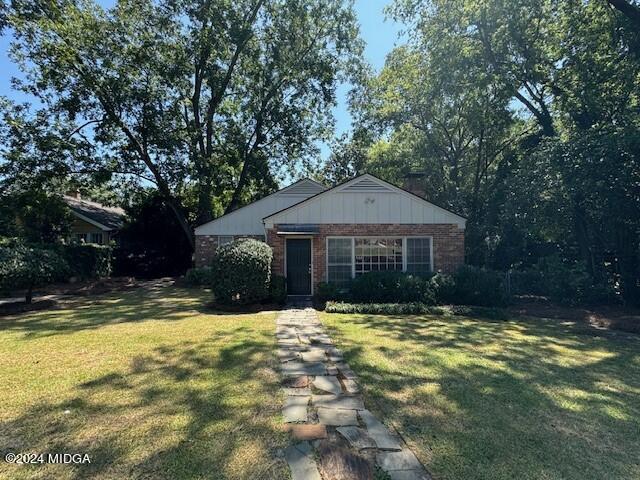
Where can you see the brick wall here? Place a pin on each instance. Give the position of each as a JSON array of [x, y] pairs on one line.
[[448, 243], [207, 244]]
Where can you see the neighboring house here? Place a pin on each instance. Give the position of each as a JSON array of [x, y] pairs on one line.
[[93, 222], [362, 225]]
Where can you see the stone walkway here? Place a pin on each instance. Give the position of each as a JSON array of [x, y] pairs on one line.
[[336, 436]]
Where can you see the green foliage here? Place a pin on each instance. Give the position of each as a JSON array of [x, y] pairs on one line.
[[397, 287], [415, 308], [88, 261], [34, 216], [242, 272], [23, 267], [479, 286], [278, 289], [151, 243], [443, 287], [207, 93], [199, 277], [327, 291]]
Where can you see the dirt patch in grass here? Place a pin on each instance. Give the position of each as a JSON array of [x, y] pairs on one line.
[[15, 308]]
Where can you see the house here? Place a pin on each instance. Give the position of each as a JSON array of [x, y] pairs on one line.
[[321, 234], [92, 221]]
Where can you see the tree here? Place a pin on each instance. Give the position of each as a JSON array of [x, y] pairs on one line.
[[210, 93]]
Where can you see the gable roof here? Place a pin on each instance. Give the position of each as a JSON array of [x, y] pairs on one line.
[[366, 183], [301, 189], [104, 217]]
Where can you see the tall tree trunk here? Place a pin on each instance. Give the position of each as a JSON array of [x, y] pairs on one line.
[[29, 295]]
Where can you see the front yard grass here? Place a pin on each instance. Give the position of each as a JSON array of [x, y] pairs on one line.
[[518, 399], [148, 383]]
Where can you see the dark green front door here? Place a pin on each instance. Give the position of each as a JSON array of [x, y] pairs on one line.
[[299, 266]]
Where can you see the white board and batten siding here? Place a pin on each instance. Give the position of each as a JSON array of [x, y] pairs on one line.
[[365, 200], [248, 220]]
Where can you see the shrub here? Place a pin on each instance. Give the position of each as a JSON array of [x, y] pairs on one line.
[[526, 282], [278, 289], [443, 287], [479, 286], [242, 272], [88, 260], [199, 277], [327, 291], [391, 287], [27, 267], [415, 308]]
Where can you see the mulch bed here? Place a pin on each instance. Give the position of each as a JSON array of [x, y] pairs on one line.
[[253, 308]]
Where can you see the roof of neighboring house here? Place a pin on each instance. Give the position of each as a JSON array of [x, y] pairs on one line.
[[104, 217]]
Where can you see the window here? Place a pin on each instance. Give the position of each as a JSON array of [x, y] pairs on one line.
[[339, 260], [224, 239], [378, 254], [96, 238], [81, 237], [418, 255]]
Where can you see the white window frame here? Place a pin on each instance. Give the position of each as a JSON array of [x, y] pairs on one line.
[[353, 250]]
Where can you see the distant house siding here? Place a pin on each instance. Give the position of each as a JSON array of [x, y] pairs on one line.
[[81, 227]]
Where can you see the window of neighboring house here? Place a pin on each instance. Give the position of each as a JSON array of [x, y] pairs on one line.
[[419, 255], [96, 238], [339, 260], [81, 237], [224, 239], [378, 254]]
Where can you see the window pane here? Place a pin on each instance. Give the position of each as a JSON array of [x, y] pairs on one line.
[[339, 273], [378, 254], [418, 255]]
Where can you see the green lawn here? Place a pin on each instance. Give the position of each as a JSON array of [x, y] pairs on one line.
[[150, 385], [525, 399]]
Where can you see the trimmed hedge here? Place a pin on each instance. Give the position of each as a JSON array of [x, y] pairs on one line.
[[88, 260], [416, 308], [242, 272], [28, 267]]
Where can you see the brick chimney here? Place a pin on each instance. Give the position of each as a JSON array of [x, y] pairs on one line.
[[74, 193], [414, 182]]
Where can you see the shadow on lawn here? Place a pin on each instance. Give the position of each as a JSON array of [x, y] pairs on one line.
[[552, 400], [159, 303], [204, 409]]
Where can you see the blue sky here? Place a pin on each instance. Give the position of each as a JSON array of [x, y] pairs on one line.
[[379, 34]]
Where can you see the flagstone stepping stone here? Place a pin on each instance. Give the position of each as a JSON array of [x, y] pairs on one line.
[[357, 437], [350, 385], [301, 463], [331, 370], [346, 371], [314, 355], [297, 392], [403, 460], [336, 417], [339, 402], [296, 382], [307, 432], [295, 409], [303, 368], [328, 384], [380, 434], [285, 355]]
